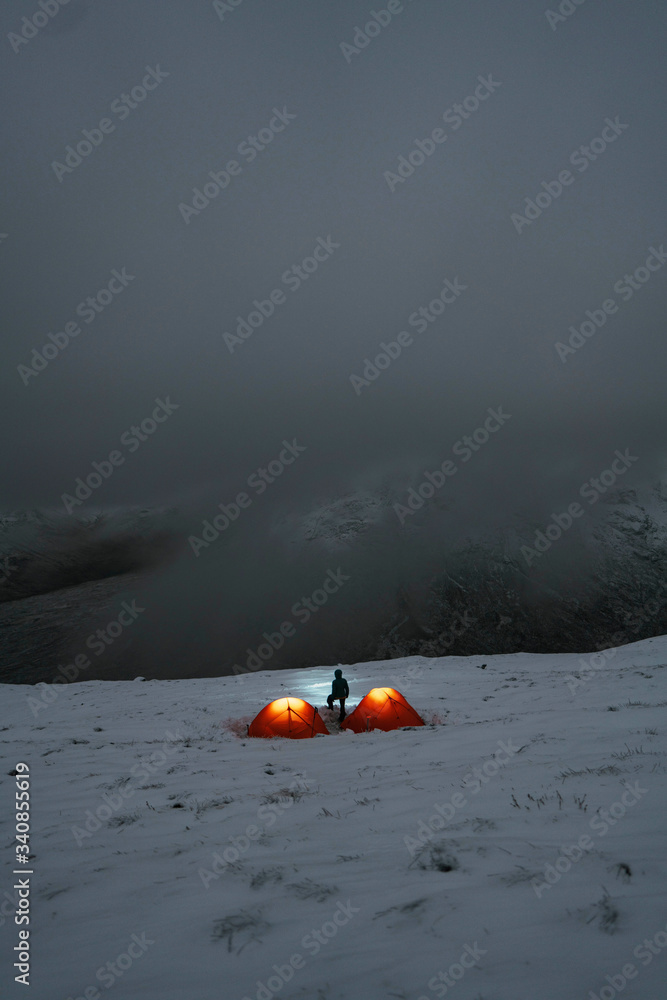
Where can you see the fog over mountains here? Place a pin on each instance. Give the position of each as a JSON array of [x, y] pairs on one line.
[[359, 576], [333, 337], [327, 287]]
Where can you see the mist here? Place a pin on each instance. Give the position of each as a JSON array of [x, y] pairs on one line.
[[231, 227]]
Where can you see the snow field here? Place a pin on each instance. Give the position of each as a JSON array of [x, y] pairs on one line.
[[420, 863]]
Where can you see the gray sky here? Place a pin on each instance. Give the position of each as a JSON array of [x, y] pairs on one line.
[[323, 176]]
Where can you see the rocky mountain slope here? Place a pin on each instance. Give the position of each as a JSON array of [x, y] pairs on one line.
[[417, 583]]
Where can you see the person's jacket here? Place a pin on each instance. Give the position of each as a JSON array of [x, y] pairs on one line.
[[339, 688]]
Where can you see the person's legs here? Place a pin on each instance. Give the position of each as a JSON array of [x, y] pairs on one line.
[[330, 702], [342, 709]]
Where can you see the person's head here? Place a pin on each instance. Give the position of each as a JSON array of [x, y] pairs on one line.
[[338, 673]]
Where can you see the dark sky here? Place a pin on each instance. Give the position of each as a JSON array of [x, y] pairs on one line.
[[323, 176]]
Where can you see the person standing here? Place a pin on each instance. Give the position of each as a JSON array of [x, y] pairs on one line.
[[339, 692]]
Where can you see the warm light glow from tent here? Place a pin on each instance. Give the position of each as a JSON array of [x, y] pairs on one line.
[[382, 708], [283, 704], [381, 694], [290, 717]]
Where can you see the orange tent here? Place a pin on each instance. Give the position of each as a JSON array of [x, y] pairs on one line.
[[290, 717], [382, 708]]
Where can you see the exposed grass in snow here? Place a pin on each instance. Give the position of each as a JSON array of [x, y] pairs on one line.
[[377, 858]]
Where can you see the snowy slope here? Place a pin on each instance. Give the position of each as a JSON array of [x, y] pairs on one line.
[[320, 827]]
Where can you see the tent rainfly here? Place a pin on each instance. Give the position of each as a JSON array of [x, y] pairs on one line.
[[290, 717], [382, 708]]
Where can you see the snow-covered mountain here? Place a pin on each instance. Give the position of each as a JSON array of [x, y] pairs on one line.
[[422, 581], [44, 550], [564, 582], [512, 849]]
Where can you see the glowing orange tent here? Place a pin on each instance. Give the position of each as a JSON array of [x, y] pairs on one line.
[[290, 717], [382, 708]]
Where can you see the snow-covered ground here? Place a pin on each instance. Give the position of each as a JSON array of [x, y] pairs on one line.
[[176, 859]]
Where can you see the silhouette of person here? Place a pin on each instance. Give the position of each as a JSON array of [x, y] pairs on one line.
[[339, 692]]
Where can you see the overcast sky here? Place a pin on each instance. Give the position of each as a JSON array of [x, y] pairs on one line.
[[330, 174]]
